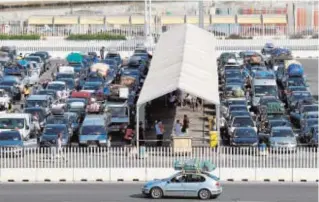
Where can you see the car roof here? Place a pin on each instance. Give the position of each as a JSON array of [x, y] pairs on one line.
[[57, 82], [263, 82], [15, 115], [93, 120], [55, 125], [281, 128], [38, 97]]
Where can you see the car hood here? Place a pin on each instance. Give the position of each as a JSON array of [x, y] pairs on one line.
[[283, 139], [154, 182], [247, 140], [120, 119], [11, 143], [92, 137]]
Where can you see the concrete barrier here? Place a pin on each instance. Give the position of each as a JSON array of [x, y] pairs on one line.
[[54, 175]]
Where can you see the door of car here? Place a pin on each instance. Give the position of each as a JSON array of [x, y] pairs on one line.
[[174, 187], [193, 184]]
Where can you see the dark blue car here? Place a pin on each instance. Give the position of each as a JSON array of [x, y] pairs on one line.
[[50, 134], [244, 136]]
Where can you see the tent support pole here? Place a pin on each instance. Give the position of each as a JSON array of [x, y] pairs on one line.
[[218, 123], [137, 128]]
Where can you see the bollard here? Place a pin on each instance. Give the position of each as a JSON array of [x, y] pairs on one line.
[[213, 139]]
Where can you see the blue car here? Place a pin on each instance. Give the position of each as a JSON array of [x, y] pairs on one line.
[[94, 131], [50, 134], [244, 136], [200, 185], [13, 141]]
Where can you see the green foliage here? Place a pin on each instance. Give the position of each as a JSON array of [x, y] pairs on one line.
[[100, 36], [20, 37]]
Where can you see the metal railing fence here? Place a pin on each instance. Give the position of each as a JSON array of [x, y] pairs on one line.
[[130, 45], [219, 30], [156, 157]]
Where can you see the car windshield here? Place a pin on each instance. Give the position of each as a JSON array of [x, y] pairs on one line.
[[8, 83], [300, 96], [65, 76], [245, 132], [282, 133], [56, 87], [34, 59], [265, 90], [237, 108], [280, 123], [268, 100], [45, 92], [11, 123], [312, 122], [118, 111], [297, 88], [91, 87], [57, 120], [110, 62], [95, 79], [243, 122], [54, 130], [239, 113], [6, 135], [311, 108], [93, 130], [70, 83], [236, 102], [37, 112], [296, 81], [37, 103], [262, 75]]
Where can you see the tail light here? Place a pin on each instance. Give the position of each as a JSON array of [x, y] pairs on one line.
[[217, 184]]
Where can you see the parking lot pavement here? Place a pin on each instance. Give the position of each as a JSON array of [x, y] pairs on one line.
[[125, 158], [311, 71]]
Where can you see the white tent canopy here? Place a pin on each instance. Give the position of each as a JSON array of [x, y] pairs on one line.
[[184, 59]]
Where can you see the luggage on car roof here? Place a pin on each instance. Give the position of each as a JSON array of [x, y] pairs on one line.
[[295, 70]]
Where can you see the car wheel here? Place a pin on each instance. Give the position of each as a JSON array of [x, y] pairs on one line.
[[204, 194], [156, 193]]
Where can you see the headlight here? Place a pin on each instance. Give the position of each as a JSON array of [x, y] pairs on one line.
[[102, 141], [255, 144]]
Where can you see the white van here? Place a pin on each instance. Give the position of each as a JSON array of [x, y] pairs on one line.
[[263, 87], [17, 121]]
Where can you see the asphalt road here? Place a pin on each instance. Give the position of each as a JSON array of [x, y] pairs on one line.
[[235, 192]]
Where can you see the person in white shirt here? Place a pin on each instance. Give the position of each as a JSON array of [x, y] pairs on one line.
[[59, 95], [178, 128], [159, 129]]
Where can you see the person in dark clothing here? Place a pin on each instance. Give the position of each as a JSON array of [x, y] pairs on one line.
[[102, 53], [185, 124], [141, 135]]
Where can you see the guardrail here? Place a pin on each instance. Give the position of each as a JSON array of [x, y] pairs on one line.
[[130, 45], [116, 164]]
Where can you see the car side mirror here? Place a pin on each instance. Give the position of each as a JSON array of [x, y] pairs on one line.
[[27, 127]]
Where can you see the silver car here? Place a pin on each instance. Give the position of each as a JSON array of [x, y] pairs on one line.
[[202, 185], [283, 139]]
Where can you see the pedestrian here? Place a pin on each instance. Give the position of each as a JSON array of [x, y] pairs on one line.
[[59, 146], [172, 100], [141, 135], [185, 124], [128, 135], [159, 129], [102, 52], [26, 91], [178, 128]]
